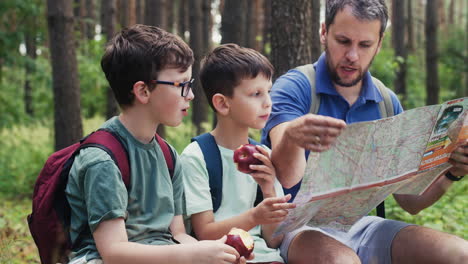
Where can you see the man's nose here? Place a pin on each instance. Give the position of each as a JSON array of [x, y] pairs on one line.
[[352, 54]]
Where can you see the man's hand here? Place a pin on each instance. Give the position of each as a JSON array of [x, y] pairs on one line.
[[314, 132], [459, 160], [272, 210]]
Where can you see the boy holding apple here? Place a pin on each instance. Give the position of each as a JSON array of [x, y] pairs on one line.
[[237, 82]]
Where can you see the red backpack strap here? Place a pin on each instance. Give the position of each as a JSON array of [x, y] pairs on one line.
[[110, 143], [168, 155]]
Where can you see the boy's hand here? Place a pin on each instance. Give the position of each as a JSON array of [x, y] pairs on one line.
[[264, 174], [215, 252], [272, 210]]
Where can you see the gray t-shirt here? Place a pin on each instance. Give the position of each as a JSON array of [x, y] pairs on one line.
[[96, 193]]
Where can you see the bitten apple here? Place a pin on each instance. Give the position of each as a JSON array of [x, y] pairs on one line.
[[243, 157], [241, 240]]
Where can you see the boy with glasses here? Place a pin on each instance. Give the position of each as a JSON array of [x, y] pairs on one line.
[[149, 71]]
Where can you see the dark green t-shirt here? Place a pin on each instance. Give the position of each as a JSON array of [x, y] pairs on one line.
[[96, 193]]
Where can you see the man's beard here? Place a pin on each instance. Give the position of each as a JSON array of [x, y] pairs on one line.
[[334, 74]]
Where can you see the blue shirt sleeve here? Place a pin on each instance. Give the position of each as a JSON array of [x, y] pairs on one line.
[[291, 98]]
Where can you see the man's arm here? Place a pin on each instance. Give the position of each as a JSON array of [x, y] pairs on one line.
[[289, 140], [413, 204]]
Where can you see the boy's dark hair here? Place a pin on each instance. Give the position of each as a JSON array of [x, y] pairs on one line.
[[227, 65], [138, 53], [362, 9]]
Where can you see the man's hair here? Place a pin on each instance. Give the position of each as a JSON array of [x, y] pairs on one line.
[[362, 9], [227, 65], [139, 53]]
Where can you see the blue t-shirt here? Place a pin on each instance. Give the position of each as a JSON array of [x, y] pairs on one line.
[[291, 97]]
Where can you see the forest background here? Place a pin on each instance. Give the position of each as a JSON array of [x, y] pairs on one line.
[[52, 90]]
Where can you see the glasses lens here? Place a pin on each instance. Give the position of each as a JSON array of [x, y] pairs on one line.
[[186, 88]]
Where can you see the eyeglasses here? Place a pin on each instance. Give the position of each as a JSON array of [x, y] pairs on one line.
[[186, 86]]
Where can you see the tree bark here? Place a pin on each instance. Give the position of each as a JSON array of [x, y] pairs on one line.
[[183, 20], [316, 45], [31, 46], [410, 26], [109, 22], [398, 39], [250, 24], [267, 28], [90, 19], [200, 104], [68, 126], [207, 26], [155, 13], [233, 21], [140, 11], [432, 76], [291, 37]]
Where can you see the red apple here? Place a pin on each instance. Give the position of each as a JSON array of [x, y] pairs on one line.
[[243, 157], [241, 240]]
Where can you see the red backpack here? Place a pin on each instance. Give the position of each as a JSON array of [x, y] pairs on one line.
[[49, 221]]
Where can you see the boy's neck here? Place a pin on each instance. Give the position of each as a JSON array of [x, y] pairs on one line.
[[141, 127], [230, 135]]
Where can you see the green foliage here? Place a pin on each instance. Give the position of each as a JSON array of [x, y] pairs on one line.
[[448, 214]]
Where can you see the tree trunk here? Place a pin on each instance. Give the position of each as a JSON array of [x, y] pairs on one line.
[[183, 20], [441, 14], [109, 22], [233, 21], [68, 126], [79, 13], [250, 25], [200, 104], [267, 28], [127, 14], [260, 24], [315, 44], [409, 25], [140, 11], [90, 19], [155, 13], [398, 39], [291, 37], [432, 76], [30, 43], [207, 26]]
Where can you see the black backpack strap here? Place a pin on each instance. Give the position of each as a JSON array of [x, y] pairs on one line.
[[214, 166]]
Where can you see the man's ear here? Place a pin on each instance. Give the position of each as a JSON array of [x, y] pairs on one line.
[[220, 103], [323, 34], [141, 92]]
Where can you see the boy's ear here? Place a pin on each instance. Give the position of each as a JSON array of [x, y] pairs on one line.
[[220, 103], [141, 92]]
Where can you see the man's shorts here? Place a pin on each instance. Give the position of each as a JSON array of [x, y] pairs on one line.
[[371, 238], [83, 261]]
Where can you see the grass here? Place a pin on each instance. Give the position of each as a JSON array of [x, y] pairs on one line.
[[25, 148]]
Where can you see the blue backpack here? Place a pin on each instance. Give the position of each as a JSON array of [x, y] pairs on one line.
[[214, 166]]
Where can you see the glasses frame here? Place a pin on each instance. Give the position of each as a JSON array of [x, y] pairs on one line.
[[186, 86]]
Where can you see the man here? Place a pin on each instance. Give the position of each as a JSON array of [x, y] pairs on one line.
[[352, 36]]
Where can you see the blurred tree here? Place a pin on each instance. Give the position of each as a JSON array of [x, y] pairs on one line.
[[183, 19], [409, 26], [90, 21], [68, 126], [127, 15], [140, 11], [109, 23], [233, 22], [207, 26], [398, 40], [432, 75], [291, 37], [198, 44], [315, 44], [155, 13], [266, 34], [31, 47]]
